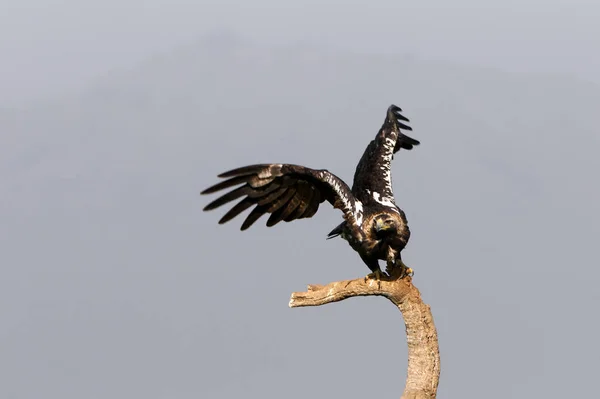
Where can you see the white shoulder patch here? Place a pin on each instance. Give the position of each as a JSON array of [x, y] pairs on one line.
[[383, 200], [354, 206], [358, 212]]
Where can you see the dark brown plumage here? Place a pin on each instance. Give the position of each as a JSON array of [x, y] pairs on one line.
[[373, 224], [287, 192]]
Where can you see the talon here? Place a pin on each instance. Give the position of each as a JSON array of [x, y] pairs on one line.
[[376, 275], [404, 270]]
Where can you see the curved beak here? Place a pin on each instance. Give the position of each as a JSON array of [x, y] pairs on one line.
[[380, 225]]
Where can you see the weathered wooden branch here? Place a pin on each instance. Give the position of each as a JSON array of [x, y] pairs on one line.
[[423, 350]]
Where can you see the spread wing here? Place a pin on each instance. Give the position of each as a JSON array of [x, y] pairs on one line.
[[373, 177], [287, 192]]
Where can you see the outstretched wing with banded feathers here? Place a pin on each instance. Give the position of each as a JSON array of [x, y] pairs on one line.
[[373, 178], [287, 192]]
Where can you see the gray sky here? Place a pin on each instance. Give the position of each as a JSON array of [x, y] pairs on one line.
[[115, 284], [48, 47]]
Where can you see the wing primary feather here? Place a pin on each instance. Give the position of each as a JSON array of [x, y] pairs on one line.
[[402, 117], [241, 191], [275, 217], [307, 194], [278, 207], [282, 200], [272, 196], [237, 209], [291, 206], [230, 196], [225, 184], [286, 191], [313, 207], [394, 116], [405, 142], [253, 216], [245, 170]]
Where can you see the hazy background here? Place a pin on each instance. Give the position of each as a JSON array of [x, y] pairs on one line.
[[51, 46], [113, 116]]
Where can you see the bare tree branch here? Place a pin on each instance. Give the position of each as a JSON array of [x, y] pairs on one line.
[[423, 351]]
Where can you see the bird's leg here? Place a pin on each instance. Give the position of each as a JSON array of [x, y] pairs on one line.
[[373, 265], [390, 266], [397, 269]]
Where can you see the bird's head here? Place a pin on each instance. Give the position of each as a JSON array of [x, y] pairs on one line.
[[384, 225]]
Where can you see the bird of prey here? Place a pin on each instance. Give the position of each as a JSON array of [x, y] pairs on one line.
[[373, 224]]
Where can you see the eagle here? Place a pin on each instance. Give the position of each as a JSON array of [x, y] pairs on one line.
[[373, 224]]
